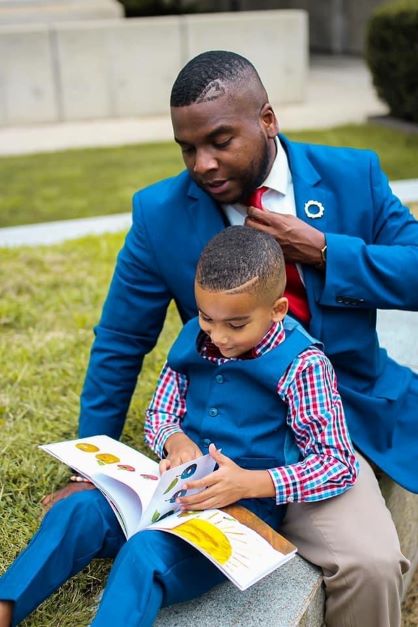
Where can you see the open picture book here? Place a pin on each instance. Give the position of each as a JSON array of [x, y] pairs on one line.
[[241, 545]]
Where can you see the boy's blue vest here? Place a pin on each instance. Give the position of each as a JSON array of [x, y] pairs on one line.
[[236, 406]]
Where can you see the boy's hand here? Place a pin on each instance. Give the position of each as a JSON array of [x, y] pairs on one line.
[[228, 484], [180, 448]]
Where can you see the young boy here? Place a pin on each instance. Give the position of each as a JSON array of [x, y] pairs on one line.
[[241, 377]]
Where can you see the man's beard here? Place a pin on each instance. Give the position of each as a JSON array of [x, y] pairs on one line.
[[255, 175]]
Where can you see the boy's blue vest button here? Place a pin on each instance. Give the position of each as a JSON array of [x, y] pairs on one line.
[[219, 378], [206, 441], [213, 412]]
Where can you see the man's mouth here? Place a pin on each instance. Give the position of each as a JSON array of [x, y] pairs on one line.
[[217, 187]]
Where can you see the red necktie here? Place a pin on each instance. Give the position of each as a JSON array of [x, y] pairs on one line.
[[295, 290]]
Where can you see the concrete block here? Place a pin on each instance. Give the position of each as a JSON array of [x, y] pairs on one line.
[[82, 57], [275, 41], [144, 57], [292, 595], [27, 80], [46, 12]]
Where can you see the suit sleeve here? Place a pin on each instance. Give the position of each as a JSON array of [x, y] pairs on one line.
[[132, 318], [379, 270]]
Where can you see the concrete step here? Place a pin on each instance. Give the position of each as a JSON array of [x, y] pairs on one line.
[[292, 596]]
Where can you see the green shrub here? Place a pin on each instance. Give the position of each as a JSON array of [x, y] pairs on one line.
[[392, 55]]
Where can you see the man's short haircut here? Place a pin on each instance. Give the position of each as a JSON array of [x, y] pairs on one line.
[[242, 259], [203, 77]]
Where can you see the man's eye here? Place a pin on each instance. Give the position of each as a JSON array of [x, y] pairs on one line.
[[222, 144], [186, 150]]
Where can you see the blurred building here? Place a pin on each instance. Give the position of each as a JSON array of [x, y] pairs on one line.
[[335, 26]]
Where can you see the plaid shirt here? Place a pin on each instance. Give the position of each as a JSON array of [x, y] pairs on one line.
[[315, 415]]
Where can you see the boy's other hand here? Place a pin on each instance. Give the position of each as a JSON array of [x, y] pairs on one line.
[[228, 484], [71, 488], [180, 448]]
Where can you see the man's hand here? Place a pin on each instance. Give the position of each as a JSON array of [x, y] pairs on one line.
[[228, 484], [71, 488], [301, 243], [180, 448]]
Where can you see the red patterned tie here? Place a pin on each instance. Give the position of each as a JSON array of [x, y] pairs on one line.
[[295, 290]]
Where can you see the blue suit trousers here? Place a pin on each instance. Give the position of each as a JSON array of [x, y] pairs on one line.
[[151, 569]]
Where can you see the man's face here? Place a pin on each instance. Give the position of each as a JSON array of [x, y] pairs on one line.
[[227, 145]]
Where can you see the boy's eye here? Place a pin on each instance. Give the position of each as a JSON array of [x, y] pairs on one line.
[[241, 325]]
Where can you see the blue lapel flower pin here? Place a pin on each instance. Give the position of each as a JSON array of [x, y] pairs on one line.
[[314, 209]]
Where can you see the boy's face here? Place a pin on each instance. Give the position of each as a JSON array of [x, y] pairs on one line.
[[237, 322]]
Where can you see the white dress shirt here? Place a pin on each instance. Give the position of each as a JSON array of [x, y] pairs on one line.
[[279, 198]]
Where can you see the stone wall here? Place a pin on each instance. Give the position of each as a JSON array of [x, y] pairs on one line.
[[121, 68]]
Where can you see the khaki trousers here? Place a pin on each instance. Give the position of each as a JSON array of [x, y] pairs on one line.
[[353, 539]]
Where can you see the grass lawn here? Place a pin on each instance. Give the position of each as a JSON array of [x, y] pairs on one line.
[[80, 183], [50, 298]]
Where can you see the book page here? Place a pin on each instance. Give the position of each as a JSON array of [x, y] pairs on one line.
[[171, 487], [129, 480], [239, 552]]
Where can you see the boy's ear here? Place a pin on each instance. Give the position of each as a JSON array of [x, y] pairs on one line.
[[280, 309]]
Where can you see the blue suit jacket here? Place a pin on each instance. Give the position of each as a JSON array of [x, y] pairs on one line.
[[372, 262]]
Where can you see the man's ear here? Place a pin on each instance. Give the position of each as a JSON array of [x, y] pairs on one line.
[[280, 309], [269, 120]]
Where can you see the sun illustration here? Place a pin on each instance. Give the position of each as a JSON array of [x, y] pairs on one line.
[[206, 536]]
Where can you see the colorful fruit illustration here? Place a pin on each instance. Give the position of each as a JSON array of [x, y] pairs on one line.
[[172, 511], [176, 496], [106, 458], [126, 467], [206, 536], [151, 477], [87, 448], [172, 484], [155, 516], [188, 472]]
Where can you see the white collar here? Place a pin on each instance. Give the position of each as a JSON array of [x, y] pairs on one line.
[[279, 176]]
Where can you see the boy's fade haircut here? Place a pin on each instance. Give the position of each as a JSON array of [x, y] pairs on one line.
[[242, 259]]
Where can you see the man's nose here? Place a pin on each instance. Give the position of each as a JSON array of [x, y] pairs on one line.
[[204, 162]]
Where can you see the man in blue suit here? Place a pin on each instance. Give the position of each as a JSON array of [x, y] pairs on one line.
[[352, 247]]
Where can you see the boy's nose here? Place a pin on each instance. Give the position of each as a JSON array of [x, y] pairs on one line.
[[219, 338]]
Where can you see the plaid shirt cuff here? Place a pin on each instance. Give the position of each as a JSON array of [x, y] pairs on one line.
[[287, 483], [162, 437]]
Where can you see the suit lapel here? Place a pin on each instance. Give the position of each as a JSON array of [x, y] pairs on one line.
[[206, 216], [310, 195]]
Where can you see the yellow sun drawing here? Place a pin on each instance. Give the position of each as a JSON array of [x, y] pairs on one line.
[[206, 536]]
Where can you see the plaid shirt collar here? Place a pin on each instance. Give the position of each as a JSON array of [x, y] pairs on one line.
[[274, 336]]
